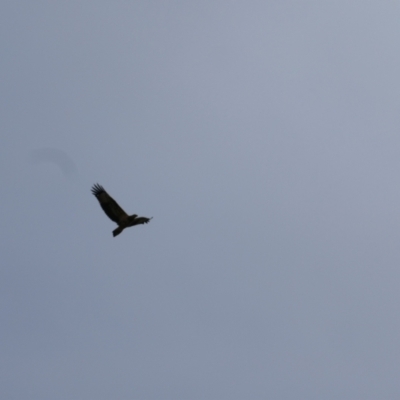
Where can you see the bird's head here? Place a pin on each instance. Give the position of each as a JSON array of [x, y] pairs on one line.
[[131, 218], [142, 220]]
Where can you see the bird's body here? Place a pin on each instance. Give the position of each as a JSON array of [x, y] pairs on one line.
[[115, 212]]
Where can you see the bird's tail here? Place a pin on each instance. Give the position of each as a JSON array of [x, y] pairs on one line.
[[117, 231]]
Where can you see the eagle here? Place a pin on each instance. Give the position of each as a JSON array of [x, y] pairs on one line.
[[115, 212]]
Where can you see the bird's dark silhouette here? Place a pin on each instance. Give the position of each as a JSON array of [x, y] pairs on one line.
[[115, 212]]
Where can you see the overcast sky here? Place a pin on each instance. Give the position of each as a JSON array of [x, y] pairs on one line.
[[264, 139]]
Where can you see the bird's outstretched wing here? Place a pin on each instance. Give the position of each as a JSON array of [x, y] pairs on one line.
[[108, 204]]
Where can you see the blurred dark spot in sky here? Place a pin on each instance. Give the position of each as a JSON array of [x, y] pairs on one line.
[[54, 156]]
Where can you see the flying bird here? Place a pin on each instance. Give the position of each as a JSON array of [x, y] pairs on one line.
[[115, 212]]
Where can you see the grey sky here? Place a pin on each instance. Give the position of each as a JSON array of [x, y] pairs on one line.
[[264, 139]]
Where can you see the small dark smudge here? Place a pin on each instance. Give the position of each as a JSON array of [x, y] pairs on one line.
[[54, 156]]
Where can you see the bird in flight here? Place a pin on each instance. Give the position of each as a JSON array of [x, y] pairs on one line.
[[115, 212]]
